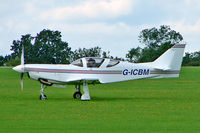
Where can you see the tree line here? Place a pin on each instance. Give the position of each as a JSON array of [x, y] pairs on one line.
[[48, 47]]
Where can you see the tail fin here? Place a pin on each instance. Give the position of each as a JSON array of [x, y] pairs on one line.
[[171, 59]]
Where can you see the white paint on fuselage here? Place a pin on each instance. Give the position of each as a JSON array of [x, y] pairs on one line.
[[103, 78]]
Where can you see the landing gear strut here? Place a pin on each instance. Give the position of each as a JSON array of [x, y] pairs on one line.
[[42, 95], [77, 94], [86, 95]]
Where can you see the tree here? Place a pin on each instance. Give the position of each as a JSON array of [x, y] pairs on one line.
[[1, 60], [7, 58], [91, 52], [13, 62], [156, 42], [149, 54], [50, 48], [191, 59], [186, 59], [118, 58], [154, 37], [134, 54], [46, 47], [106, 54], [16, 47]]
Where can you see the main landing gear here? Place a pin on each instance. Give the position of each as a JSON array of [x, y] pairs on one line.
[[86, 95], [77, 94]]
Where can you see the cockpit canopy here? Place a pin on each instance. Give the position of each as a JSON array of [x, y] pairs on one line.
[[94, 62], [78, 62], [112, 63]]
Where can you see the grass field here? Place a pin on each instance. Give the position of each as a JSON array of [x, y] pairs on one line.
[[144, 106]]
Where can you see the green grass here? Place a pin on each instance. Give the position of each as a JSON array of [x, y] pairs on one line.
[[144, 106]]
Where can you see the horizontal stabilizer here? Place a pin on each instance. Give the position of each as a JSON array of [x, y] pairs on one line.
[[162, 69]]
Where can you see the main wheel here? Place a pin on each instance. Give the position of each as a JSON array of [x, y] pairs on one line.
[[43, 97], [77, 95]]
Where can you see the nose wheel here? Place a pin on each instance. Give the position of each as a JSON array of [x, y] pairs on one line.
[[44, 97]]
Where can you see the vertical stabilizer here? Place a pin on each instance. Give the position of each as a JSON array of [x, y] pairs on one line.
[[171, 59]]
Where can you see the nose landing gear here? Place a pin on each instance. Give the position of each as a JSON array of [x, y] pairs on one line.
[[42, 95]]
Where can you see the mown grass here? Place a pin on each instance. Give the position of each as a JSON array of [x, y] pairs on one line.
[[144, 106]]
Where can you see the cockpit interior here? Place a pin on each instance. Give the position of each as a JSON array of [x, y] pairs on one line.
[[94, 62]]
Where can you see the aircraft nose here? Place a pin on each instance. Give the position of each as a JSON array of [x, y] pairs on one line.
[[19, 68]]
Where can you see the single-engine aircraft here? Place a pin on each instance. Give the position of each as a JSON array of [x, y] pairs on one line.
[[94, 70]]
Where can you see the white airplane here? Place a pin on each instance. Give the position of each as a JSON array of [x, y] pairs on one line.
[[94, 70]]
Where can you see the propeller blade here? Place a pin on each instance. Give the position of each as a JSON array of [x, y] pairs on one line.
[[22, 56], [22, 83]]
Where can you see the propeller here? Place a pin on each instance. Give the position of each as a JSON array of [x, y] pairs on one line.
[[22, 68]]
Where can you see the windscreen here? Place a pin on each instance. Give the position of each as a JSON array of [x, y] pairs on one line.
[[112, 63]]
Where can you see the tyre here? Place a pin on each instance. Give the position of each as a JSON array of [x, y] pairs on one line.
[[77, 95], [43, 97]]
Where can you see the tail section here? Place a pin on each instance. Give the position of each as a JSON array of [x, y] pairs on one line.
[[171, 60]]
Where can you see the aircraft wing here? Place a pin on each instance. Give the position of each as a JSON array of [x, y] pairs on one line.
[[79, 79]]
